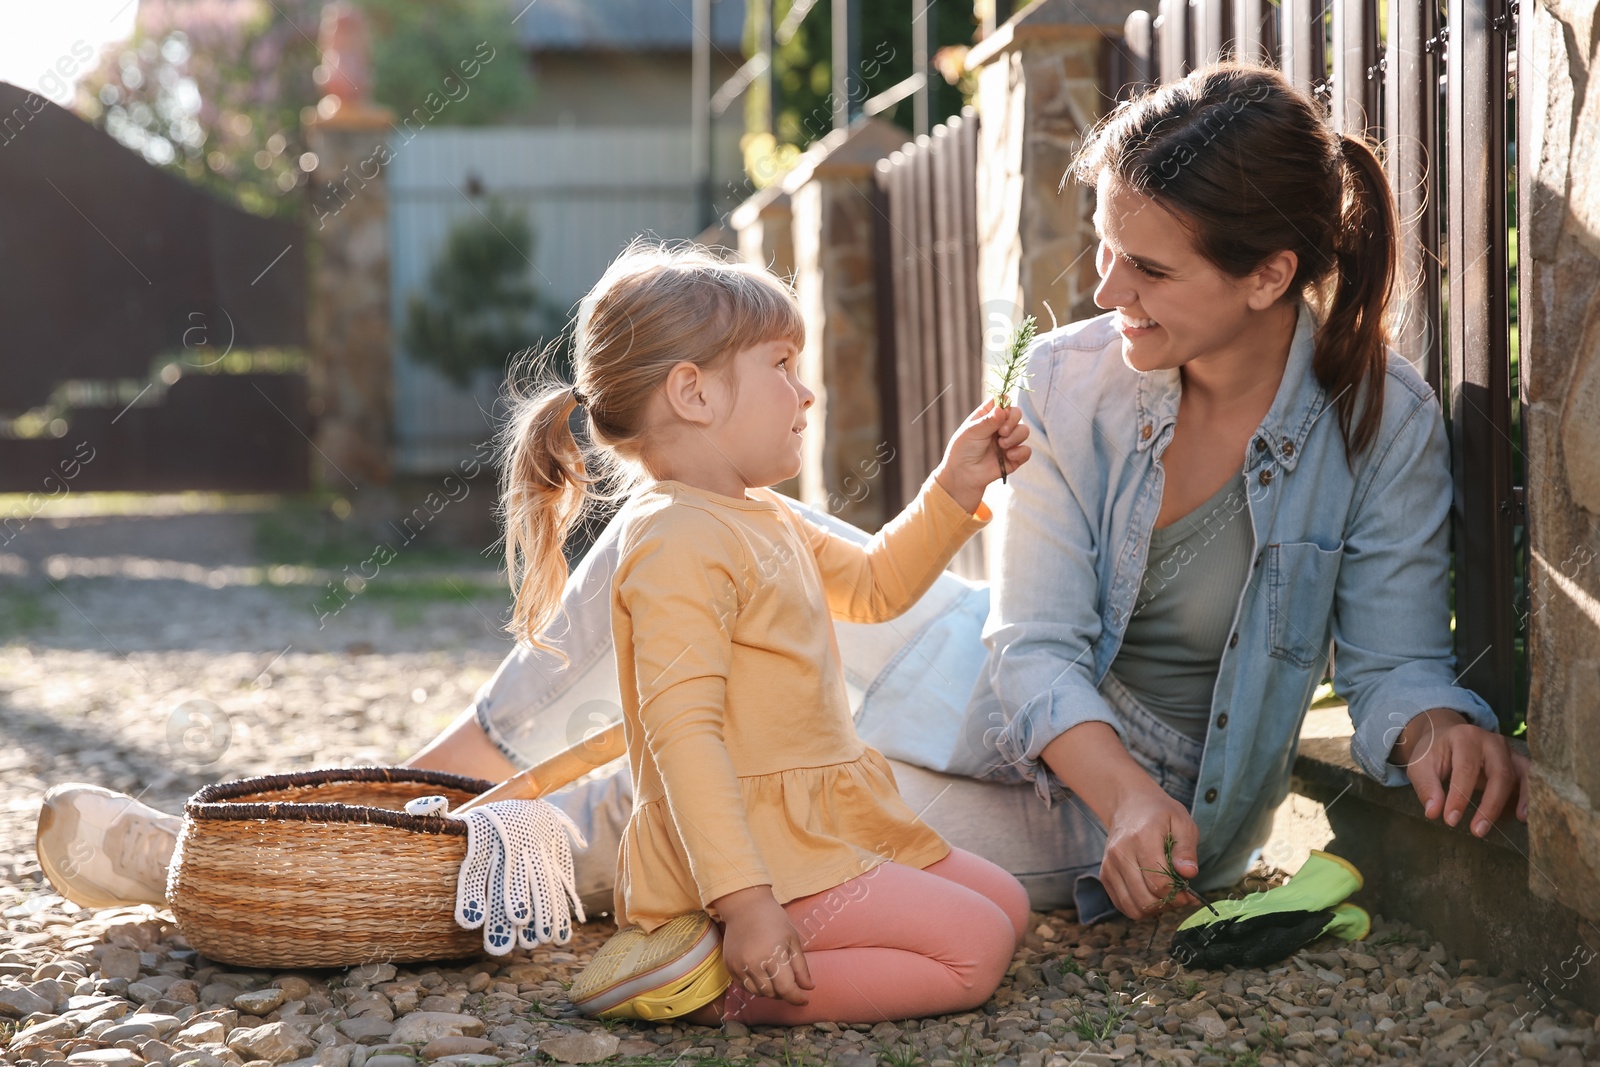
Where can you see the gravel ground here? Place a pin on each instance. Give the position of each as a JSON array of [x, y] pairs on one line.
[[158, 654]]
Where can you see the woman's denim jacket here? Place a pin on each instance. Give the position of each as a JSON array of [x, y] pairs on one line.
[[1352, 554]]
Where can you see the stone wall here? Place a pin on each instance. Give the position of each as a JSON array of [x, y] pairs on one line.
[[1560, 333], [835, 284], [351, 379], [832, 217], [765, 227], [1038, 92]]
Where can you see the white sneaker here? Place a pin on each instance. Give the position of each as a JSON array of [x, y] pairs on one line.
[[102, 849]]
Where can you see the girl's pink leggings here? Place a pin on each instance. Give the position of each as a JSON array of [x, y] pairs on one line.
[[899, 943]]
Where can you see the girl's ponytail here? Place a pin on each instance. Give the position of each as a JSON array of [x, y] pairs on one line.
[[1351, 350], [544, 488]]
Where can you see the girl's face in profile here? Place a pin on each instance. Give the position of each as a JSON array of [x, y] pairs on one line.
[[762, 433], [1172, 304]]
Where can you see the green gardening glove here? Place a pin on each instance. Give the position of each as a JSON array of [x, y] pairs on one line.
[[1267, 927]]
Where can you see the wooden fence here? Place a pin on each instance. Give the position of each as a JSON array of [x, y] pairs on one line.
[[1449, 150], [154, 336], [929, 322]]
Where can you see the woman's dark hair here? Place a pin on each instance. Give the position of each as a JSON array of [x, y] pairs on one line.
[[1251, 165]]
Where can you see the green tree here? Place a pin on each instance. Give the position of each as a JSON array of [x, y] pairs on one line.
[[803, 72], [220, 92], [480, 307], [216, 93], [418, 47]]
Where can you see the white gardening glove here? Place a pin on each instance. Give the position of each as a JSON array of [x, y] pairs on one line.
[[517, 880]]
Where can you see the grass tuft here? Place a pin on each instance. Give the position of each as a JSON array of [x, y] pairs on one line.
[[1233, 1059], [23, 610], [1094, 1027], [899, 1054]]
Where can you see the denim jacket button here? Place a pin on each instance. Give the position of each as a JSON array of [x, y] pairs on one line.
[[1234, 640], [1144, 432], [1288, 447], [1222, 720], [1211, 796], [1261, 445], [1266, 476]]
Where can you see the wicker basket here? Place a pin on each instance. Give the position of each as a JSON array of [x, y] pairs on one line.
[[322, 869]]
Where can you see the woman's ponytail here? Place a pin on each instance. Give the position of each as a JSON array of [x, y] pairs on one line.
[[543, 492], [1351, 350]]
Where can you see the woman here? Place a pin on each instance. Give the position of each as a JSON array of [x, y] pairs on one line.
[[1230, 473]]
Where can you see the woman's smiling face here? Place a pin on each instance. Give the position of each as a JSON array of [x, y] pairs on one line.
[[1173, 305]]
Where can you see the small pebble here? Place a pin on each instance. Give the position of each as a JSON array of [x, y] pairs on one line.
[[106, 1057], [365, 1028], [293, 986], [580, 1047], [119, 963], [125, 1032], [277, 1042], [391, 1060], [260, 1002], [454, 1045], [200, 1033]]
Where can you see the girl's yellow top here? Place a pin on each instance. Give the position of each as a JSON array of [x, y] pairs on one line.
[[746, 765]]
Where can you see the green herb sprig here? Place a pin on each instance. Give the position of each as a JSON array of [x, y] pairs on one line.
[[1176, 883], [1013, 375]]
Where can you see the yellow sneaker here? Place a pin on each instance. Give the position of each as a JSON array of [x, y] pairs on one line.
[[668, 972]]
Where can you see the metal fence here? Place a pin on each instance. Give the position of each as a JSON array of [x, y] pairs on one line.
[[1438, 85]]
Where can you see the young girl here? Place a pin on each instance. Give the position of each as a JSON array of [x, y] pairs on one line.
[[756, 804]]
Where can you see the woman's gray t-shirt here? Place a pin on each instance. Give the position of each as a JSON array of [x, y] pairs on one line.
[[1184, 613]]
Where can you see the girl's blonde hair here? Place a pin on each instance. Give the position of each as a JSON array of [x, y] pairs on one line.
[[657, 305]]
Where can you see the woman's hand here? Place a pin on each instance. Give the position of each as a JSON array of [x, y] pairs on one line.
[[1448, 759], [1091, 760], [1136, 852], [972, 459], [761, 947]]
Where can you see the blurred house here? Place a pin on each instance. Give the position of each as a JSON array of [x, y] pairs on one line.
[[622, 62], [600, 156]]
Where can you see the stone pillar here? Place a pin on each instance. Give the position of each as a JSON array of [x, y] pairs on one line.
[[1560, 338], [1038, 91], [352, 383], [830, 195], [765, 227]]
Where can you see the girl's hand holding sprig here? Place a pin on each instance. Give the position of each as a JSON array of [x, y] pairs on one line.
[[1012, 374], [973, 458], [989, 444], [761, 947]]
